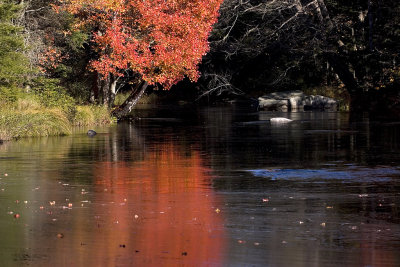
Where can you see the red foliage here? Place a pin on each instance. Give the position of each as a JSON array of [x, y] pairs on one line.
[[163, 40], [50, 59]]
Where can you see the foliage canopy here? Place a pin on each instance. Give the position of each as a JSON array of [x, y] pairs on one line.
[[162, 41]]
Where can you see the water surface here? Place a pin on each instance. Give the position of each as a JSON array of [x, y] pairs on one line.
[[205, 187]]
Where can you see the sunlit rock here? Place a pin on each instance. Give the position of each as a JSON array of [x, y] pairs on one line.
[[295, 100], [280, 120]]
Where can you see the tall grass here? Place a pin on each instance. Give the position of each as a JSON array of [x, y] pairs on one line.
[[91, 115], [37, 122], [27, 116]]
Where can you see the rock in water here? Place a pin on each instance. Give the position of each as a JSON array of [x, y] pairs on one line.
[[296, 100], [280, 120], [91, 133]]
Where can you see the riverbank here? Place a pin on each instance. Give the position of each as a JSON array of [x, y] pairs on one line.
[[34, 120]]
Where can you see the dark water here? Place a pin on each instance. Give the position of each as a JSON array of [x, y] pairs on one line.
[[208, 187]]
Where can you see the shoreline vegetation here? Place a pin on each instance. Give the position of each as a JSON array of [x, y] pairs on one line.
[[15, 124], [45, 112]]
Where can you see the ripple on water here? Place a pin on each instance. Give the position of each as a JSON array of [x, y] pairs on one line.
[[350, 174]]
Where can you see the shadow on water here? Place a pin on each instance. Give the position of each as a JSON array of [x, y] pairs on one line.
[[208, 187]]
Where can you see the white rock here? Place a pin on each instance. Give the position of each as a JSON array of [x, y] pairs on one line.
[[280, 120]]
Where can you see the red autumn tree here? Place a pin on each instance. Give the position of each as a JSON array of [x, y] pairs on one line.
[[159, 41]]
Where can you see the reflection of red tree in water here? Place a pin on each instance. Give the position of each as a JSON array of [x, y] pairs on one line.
[[163, 212]]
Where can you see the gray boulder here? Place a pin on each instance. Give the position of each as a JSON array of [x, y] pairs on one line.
[[295, 100]]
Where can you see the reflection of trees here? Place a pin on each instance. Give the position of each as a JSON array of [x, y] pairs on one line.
[[175, 210], [161, 180]]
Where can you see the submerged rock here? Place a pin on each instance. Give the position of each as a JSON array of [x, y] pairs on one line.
[[296, 100], [91, 133]]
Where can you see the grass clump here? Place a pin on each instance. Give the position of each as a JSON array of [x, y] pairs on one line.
[[92, 115], [39, 122]]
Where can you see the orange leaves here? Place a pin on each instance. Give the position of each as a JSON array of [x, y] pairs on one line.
[[51, 58], [163, 40]]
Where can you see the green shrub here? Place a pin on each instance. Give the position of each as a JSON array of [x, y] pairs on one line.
[[51, 94], [120, 98], [92, 115], [9, 95]]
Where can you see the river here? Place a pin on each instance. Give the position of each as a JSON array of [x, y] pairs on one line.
[[216, 186]]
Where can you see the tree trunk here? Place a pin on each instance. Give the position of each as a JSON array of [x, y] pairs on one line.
[[105, 90], [370, 24], [112, 91], [94, 92], [131, 101], [344, 73]]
